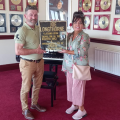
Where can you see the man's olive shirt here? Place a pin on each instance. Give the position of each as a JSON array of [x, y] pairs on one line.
[[30, 38]]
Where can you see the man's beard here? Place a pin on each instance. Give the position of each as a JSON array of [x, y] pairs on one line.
[[32, 23]]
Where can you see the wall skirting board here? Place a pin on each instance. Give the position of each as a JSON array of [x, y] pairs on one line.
[[9, 67], [6, 37], [105, 41], [96, 72], [108, 76]]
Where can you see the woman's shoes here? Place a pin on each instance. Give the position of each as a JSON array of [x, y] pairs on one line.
[[71, 109], [80, 114]]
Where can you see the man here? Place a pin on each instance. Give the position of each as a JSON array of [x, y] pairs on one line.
[[57, 12], [31, 62], [59, 5]]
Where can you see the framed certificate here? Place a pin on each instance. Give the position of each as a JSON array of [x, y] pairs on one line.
[[53, 35], [16, 21], [102, 5], [2, 23], [87, 21], [116, 26], [32, 2], [101, 22], [59, 10], [85, 5], [117, 7], [16, 5], [2, 4], [80, 5]]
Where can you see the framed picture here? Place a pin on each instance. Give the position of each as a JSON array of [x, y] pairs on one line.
[[87, 21], [16, 5], [85, 5], [32, 2], [59, 10], [16, 21], [2, 4], [2, 23], [102, 5], [117, 7], [53, 35], [116, 26], [101, 22]]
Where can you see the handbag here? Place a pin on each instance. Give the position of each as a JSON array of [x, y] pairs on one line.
[[81, 72]]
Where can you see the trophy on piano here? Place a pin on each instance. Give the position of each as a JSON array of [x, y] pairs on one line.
[[53, 35]]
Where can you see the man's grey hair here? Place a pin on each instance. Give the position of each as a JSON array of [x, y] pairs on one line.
[[31, 7]]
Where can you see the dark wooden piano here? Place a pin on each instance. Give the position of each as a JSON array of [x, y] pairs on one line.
[[53, 59]]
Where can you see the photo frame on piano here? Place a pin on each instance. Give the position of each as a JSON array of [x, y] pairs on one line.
[[59, 10]]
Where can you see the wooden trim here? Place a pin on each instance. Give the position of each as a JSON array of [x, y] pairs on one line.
[[105, 41], [6, 37], [9, 67], [95, 40], [108, 76]]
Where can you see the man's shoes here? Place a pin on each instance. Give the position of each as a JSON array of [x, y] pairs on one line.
[[27, 114], [38, 108], [79, 115], [71, 109]]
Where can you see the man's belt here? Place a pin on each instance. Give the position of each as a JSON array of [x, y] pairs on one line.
[[36, 61]]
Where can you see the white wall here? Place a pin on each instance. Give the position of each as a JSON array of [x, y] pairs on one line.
[[7, 47], [7, 52]]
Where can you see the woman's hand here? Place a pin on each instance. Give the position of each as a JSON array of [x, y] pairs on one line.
[[63, 51], [66, 51]]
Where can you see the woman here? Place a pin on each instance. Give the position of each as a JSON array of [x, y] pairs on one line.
[[78, 45]]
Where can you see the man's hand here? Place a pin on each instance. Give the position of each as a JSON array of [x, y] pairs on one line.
[[39, 50]]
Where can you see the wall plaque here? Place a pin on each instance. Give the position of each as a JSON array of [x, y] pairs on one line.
[[2, 23], [16, 21], [32, 2], [102, 5], [116, 26], [16, 5], [53, 35], [2, 4], [101, 22]]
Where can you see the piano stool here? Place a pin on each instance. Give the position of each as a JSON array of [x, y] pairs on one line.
[[51, 82]]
